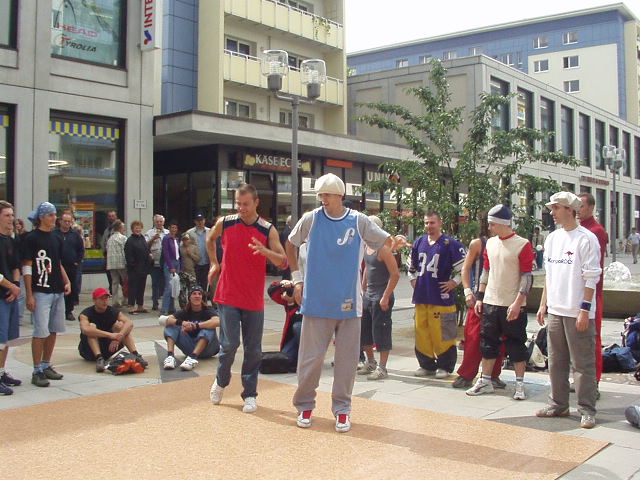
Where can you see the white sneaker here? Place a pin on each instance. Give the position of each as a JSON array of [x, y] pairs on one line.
[[367, 368], [378, 374], [170, 362], [189, 364], [423, 372], [343, 424], [519, 394], [216, 392], [304, 419], [162, 320], [441, 373], [480, 388], [250, 405]]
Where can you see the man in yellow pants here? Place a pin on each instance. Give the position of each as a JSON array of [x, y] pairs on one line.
[[434, 258]]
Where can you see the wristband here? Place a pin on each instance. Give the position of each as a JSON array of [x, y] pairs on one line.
[[1, 277], [480, 296], [296, 277], [26, 270], [467, 292], [586, 306]]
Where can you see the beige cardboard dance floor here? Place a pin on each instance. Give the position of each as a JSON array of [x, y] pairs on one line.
[[173, 431]]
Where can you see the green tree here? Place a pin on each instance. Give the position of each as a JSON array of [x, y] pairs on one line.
[[489, 165]]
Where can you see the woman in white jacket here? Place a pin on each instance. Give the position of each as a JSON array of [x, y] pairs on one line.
[[116, 263]]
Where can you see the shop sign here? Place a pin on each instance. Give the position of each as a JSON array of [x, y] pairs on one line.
[[275, 163], [597, 181], [149, 40]]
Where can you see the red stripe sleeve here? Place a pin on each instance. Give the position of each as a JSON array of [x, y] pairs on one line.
[[486, 259], [526, 258]]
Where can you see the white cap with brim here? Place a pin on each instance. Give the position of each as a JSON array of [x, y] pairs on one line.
[[329, 183], [566, 199]]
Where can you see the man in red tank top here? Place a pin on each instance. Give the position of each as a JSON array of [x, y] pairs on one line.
[[585, 215], [247, 242]]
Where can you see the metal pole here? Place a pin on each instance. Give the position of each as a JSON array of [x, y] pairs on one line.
[[614, 211], [295, 194]]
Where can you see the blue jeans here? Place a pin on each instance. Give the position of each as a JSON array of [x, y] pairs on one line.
[[168, 305], [232, 321], [157, 284], [290, 349], [9, 325], [186, 343], [48, 316]]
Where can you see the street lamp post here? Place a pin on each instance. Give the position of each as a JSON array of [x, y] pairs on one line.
[[275, 65], [614, 158]]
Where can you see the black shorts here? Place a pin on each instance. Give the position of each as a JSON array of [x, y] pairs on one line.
[[85, 350], [376, 324], [494, 325]]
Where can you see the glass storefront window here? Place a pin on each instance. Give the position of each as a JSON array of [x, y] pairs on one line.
[[309, 199], [8, 19], [178, 200], [230, 180], [372, 200], [203, 185], [353, 182], [283, 183], [5, 161], [90, 31], [84, 166]]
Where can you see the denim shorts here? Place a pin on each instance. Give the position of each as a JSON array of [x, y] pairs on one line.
[[48, 316], [9, 322], [186, 343]]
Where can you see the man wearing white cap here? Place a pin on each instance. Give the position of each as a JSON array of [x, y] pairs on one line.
[[331, 295], [572, 264], [501, 300], [46, 283]]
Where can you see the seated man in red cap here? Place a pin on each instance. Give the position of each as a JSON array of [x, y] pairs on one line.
[[104, 331]]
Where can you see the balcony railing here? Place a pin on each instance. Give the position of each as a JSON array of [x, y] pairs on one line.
[[289, 19], [245, 69]]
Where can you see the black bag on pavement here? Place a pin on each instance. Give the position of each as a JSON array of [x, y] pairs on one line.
[[274, 362]]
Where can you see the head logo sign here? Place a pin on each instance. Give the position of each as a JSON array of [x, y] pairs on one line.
[[149, 25]]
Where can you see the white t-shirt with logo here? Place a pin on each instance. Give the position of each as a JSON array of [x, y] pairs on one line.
[[572, 262]]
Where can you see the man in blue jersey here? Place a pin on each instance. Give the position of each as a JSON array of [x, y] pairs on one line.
[[331, 295], [434, 258]]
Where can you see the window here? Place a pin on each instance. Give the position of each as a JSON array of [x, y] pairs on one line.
[[584, 126], [507, 59], [613, 136], [571, 62], [541, 42], [599, 137], [568, 187], [85, 173], [449, 55], [422, 59], [569, 37], [525, 108], [547, 123], [541, 66], [236, 46], [403, 62], [566, 122], [572, 86], [8, 22], [636, 151], [501, 117], [475, 51], [304, 6], [601, 206], [235, 108], [295, 60], [626, 144], [88, 31], [304, 120], [6, 154]]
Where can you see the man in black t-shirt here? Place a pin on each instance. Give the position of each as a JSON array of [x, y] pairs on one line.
[[46, 283], [104, 331], [193, 330]]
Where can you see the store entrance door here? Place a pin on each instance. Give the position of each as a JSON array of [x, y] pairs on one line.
[[265, 184]]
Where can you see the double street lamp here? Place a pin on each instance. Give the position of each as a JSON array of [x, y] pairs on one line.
[[614, 158], [275, 66]]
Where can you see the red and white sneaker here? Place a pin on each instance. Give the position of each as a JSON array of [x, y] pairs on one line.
[[304, 419], [343, 424]]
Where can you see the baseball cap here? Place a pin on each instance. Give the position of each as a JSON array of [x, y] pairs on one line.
[[198, 216], [330, 183], [566, 199], [500, 214], [100, 292], [196, 288]]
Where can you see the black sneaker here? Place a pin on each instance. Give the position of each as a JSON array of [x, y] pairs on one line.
[[39, 379], [100, 365], [142, 361], [70, 317], [4, 390], [51, 374], [9, 380]]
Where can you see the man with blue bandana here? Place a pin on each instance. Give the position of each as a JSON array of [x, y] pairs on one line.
[[46, 283]]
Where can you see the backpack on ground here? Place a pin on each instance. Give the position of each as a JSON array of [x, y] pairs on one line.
[[631, 336]]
